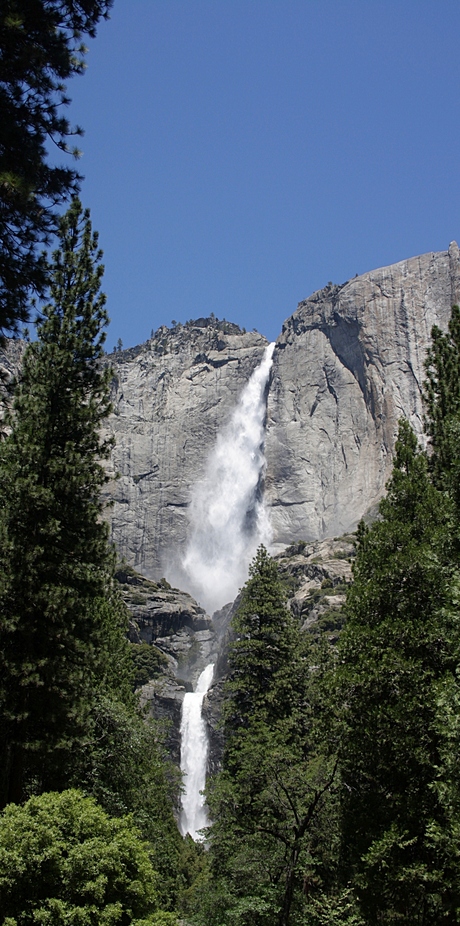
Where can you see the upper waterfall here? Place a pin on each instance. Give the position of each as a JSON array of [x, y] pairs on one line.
[[349, 364], [228, 519]]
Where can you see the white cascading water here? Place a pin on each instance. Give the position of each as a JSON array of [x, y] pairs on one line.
[[193, 758], [228, 521]]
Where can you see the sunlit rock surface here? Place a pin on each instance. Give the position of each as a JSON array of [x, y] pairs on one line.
[[348, 365], [170, 396]]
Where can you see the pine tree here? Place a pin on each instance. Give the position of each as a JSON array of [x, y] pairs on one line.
[[55, 562], [270, 803], [400, 644], [261, 650], [41, 46], [442, 404]]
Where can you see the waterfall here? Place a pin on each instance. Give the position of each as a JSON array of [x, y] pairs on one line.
[[194, 755], [228, 520]]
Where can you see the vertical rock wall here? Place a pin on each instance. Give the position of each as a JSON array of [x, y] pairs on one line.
[[170, 396], [348, 365]]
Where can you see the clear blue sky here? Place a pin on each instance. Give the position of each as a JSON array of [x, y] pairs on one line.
[[239, 154]]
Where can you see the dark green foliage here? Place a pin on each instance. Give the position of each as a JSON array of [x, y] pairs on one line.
[[443, 836], [149, 662], [63, 860], [400, 644], [121, 762], [442, 402], [261, 653], [330, 623], [55, 563], [272, 804], [195, 876], [40, 47], [68, 713]]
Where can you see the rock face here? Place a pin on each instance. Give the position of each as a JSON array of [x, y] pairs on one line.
[[317, 576], [170, 396], [348, 365], [173, 623]]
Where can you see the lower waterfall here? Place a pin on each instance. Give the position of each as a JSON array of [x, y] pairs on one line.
[[194, 755]]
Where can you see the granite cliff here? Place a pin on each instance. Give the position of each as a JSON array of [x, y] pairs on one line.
[[170, 397], [347, 365]]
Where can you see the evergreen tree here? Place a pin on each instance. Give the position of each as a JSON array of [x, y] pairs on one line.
[[55, 562], [40, 47], [122, 764], [442, 403], [400, 645], [264, 639], [271, 804]]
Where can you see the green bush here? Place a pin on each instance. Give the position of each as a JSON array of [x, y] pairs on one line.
[[63, 860]]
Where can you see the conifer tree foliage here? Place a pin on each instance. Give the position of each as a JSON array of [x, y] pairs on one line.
[[442, 404], [265, 636], [399, 650], [55, 562], [121, 763], [270, 804], [40, 48]]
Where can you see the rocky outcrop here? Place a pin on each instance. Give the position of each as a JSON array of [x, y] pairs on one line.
[[316, 576], [170, 621], [348, 365], [11, 358]]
